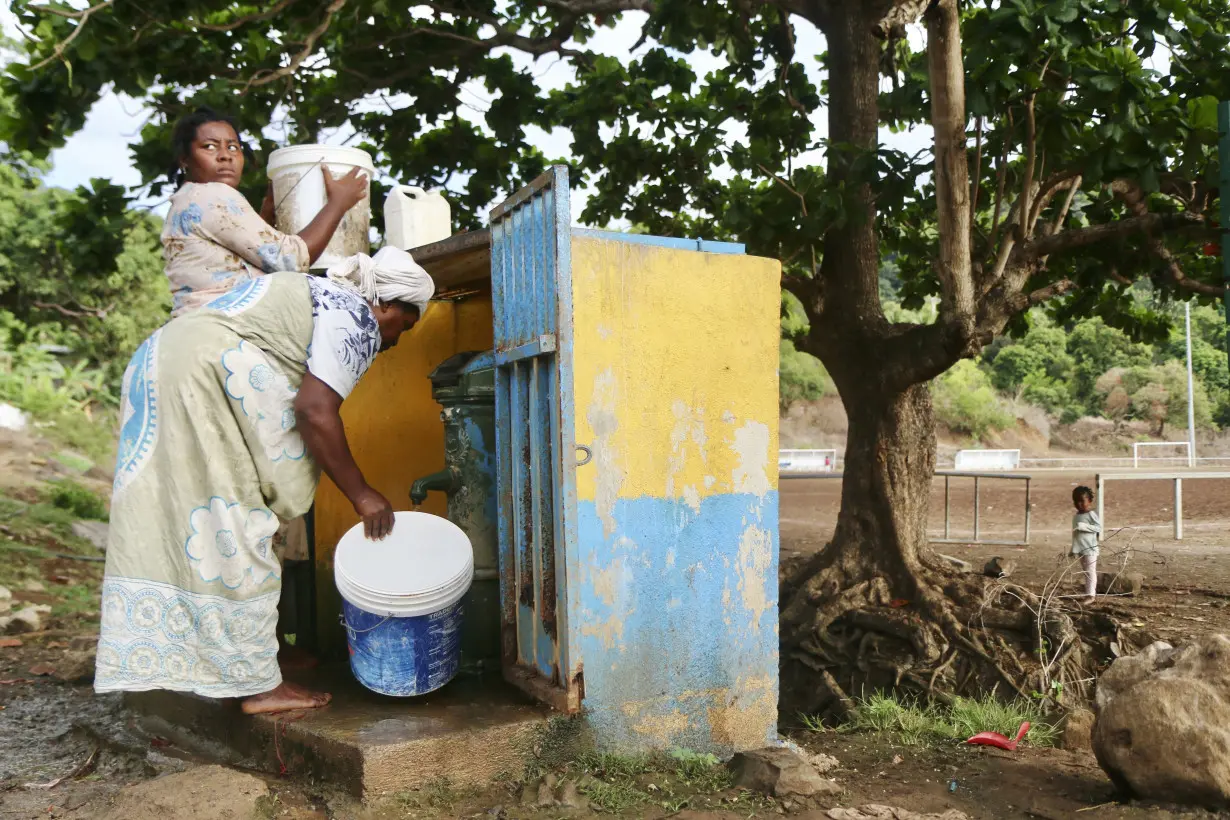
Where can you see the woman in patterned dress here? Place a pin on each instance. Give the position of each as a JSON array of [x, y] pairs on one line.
[[213, 240], [229, 413]]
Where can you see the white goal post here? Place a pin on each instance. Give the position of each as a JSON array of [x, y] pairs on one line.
[[1137, 445], [976, 460], [806, 461]]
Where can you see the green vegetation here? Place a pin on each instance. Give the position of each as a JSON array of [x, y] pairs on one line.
[[914, 723], [80, 501], [81, 285], [675, 781]]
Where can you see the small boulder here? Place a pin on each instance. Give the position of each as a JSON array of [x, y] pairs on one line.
[[1163, 724], [33, 586], [1078, 731], [1120, 583], [999, 567], [875, 812], [26, 619], [570, 797], [956, 564], [76, 667], [93, 531], [779, 772]]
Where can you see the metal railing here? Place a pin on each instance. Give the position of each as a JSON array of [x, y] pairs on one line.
[[948, 475], [1177, 478]]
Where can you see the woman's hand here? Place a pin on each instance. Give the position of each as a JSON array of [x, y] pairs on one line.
[[348, 190], [268, 212], [376, 512]]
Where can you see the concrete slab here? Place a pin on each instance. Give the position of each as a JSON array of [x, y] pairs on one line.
[[472, 731]]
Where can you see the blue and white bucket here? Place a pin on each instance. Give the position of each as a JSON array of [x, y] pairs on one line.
[[401, 602]]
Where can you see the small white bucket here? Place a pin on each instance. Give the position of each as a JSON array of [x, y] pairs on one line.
[[299, 193], [401, 602]]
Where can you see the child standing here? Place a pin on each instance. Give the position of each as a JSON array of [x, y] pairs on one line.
[[1086, 530]]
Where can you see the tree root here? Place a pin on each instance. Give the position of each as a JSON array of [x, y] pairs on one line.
[[956, 635]]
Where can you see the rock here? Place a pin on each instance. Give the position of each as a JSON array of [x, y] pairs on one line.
[[999, 567], [13, 419], [26, 619], [33, 586], [1078, 731], [824, 763], [93, 531], [874, 812], [570, 797], [529, 794], [963, 567], [79, 643], [204, 792], [779, 772], [76, 667], [1163, 724], [5, 594], [1129, 670], [1126, 583], [546, 796]]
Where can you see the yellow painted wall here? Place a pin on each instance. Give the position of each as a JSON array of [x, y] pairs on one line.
[[675, 358], [394, 429], [674, 371]]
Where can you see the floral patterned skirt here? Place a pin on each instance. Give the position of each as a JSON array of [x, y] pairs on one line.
[[209, 461]]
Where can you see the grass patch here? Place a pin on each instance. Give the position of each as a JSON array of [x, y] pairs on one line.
[[914, 723], [681, 779], [81, 501], [440, 793]]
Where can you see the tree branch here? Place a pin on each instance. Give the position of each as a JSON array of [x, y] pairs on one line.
[[82, 17], [243, 21], [1031, 139], [1134, 198], [309, 45], [947, 73], [1048, 245], [899, 15]]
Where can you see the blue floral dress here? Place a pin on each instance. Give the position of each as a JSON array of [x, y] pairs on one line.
[[213, 240], [209, 460]]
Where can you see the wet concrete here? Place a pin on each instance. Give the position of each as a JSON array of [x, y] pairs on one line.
[[472, 731]]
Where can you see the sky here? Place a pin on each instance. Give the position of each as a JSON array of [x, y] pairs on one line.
[[116, 120]]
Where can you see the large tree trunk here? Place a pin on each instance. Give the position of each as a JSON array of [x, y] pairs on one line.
[[874, 609]]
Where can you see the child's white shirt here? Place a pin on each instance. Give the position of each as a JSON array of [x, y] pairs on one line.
[[1086, 531]]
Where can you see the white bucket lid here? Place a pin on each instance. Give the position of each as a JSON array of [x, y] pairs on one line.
[[311, 154], [425, 557]]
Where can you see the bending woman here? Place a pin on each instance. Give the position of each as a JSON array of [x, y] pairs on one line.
[[229, 414], [213, 240]]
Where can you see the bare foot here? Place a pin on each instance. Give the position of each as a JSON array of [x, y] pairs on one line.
[[1089, 599], [286, 698], [294, 658]]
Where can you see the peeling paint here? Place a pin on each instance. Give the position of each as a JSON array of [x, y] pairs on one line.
[[607, 581], [691, 497], [755, 558], [659, 729], [689, 426], [709, 482], [752, 447], [604, 419], [610, 633], [738, 722]]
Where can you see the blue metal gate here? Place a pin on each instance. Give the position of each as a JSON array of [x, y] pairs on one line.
[[531, 284]]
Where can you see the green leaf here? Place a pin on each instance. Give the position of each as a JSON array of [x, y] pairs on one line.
[[1202, 112]]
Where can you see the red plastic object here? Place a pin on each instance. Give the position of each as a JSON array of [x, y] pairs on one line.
[[998, 740], [1212, 249]]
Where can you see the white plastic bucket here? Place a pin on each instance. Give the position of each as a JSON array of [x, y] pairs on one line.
[[299, 194], [401, 602], [414, 217]]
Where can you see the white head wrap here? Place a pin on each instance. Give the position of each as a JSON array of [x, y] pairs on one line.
[[391, 275]]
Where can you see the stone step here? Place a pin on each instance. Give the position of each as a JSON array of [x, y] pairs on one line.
[[471, 732]]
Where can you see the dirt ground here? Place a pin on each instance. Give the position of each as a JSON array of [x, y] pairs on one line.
[[67, 753]]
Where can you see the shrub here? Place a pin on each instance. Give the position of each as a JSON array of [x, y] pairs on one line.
[[801, 376], [966, 402]]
